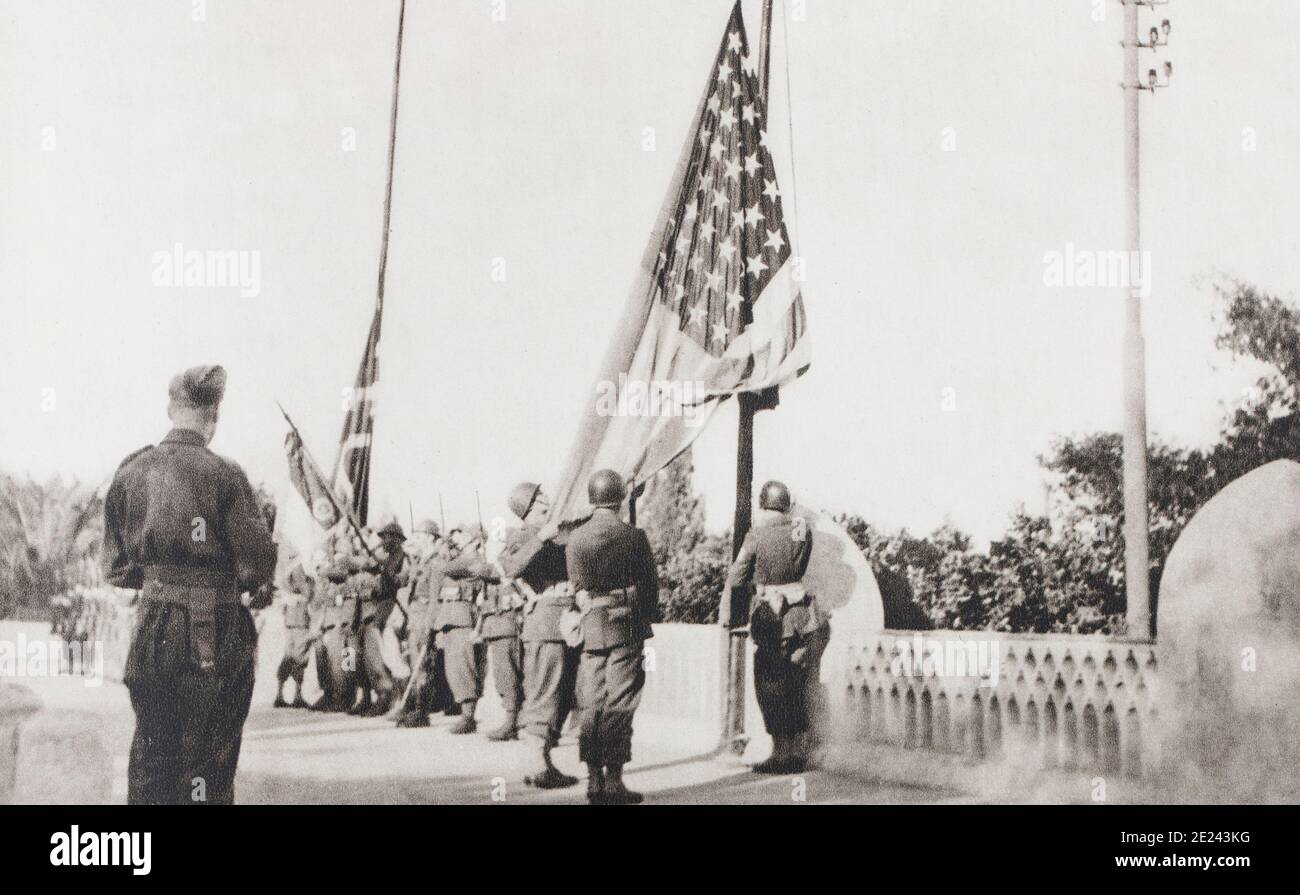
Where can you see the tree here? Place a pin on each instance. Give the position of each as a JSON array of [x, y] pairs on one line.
[[671, 513], [52, 536]]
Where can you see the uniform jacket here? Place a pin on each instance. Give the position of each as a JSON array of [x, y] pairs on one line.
[[501, 613], [457, 606], [426, 584], [540, 565], [296, 614], [606, 554], [160, 502], [775, 553]]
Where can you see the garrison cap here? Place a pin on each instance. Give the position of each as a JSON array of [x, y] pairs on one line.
[[202, 386]]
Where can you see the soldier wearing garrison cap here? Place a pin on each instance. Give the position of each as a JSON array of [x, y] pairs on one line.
[[788, 629], [533, 560], [613, 568], [182, 525]]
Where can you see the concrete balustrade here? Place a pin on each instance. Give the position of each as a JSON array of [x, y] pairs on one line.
[[1042, 702]]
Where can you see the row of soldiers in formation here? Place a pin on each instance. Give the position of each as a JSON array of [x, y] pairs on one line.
[[574, 604], [453, 611]]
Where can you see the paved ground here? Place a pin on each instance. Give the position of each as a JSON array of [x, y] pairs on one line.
[[296, 756]]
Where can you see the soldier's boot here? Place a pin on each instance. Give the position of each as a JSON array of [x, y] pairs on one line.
[[412, 720], [279, 698], [398, 705], [776, 762], [380, 706], [466, 724], [616, 793], [595, 784], [509, 729], [361, 706], [544, 775], [298, 701]]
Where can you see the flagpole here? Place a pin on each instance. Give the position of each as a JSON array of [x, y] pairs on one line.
[[747, 404], [392, 156]]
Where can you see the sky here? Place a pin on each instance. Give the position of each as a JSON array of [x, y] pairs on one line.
[[935, 153]]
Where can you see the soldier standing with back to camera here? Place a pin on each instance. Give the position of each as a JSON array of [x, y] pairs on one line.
[[788, 630], [533, 558], [182, 526], [613, 568]]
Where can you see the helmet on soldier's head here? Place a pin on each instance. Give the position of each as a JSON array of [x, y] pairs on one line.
[[775, 496], [428, 527], [522, 497], [606, 489], [392, 530]]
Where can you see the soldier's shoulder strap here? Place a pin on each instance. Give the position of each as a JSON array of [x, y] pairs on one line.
[[131, 456]]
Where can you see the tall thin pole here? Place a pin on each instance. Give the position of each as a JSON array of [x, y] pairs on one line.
[[392, 155], [736, 648], [1136, 528]]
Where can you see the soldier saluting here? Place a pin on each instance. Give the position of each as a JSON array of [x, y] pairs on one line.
[[182, 526], [613, 568]]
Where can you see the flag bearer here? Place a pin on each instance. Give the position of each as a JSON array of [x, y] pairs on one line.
[[788, 630], [612, 567], [182, 526]]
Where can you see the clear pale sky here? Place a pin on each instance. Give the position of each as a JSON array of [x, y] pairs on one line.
[[523, 139]]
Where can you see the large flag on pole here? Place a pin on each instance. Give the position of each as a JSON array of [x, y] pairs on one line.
[[351, 477], [308, 480], [716, 308]]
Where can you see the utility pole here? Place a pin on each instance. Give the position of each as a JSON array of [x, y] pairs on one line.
[[1136, 527]]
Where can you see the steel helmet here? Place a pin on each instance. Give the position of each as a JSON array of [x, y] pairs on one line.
[[522, 497], [606, 489]]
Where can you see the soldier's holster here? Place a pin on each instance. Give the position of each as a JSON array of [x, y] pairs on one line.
[[199, 592]]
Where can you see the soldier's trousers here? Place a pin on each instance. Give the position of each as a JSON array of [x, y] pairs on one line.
[[377, 675], [463, 656], [297, 652], [550, 677], [189, 723], [783, 691], [507, 656], [419, 656], [612, 680]]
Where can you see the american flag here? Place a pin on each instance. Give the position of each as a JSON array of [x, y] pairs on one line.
[[352, 466], [729, 241], [716, 309]]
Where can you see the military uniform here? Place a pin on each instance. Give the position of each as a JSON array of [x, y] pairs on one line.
[[339, 643], [612, 567], [500, 631], [550, 665], [422, 610], [297, 635], [789, 633], [467, 577], [182, 526]]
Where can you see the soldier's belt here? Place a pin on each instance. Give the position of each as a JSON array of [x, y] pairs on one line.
[[193, 577], [623, 596], [791, 593], [452, 594]]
